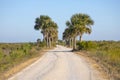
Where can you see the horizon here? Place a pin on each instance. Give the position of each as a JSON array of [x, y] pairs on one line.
[[17, 18], [58, 39]]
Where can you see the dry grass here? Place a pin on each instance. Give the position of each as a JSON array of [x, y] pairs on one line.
[[94, 65], [106, 53], [19, 67], [16, 56]]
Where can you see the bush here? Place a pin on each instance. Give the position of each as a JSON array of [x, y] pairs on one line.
[[61, 42], [86, 45]]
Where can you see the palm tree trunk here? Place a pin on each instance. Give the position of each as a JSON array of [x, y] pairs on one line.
[[52, 41], [80, 38], [47, 42], [74, 44], [65, 42], [71, 42], [43, 37]]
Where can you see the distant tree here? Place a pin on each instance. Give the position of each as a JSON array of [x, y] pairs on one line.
[[77, 26], [83, 23], [47, 27]]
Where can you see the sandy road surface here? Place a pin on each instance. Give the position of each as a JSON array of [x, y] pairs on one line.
[[57, 64]]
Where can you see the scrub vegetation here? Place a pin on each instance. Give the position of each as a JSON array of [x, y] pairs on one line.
[[106, 53], [12, 54]]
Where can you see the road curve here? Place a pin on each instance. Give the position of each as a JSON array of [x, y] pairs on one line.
[[57, 64]]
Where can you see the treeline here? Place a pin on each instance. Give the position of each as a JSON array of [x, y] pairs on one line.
[[12, 54]]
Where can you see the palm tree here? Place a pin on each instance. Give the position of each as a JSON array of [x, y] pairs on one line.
[[41, 24], [52, 32], [46, 26], [77, 26], [83, 22], [70, 33], [66, 35]]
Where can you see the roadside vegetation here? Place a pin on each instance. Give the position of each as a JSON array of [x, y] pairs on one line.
[[12, 54], [61, 42], [106, 53]]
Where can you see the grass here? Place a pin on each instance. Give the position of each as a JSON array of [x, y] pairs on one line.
[[12, 54], [107, 53]]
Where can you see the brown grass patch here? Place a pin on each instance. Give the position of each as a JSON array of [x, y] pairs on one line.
[[19, 67], [94, 65]]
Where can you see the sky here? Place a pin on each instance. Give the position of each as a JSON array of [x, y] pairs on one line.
[[17, 18]]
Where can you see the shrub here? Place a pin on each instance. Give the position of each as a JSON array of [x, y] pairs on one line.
[[86, 45]]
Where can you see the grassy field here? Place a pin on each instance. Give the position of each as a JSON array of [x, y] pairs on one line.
[[12, 54], [106, 53]]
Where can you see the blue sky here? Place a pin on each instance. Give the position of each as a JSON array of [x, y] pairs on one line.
[[17, 18]]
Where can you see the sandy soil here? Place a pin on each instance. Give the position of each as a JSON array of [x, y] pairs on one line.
[[59, 64]]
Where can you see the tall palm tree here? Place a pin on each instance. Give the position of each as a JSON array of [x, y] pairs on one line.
[[66, 35], [52, 32], [46, 26], [78, 25], [41, 24], [83, 22], [71, 33]]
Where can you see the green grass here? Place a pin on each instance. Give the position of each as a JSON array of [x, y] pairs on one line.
[[106, 53], [12, 54], [61, 42]]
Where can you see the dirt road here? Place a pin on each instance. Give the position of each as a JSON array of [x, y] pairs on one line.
[[58, 64]]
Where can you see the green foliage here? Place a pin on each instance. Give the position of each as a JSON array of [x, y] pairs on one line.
[[61, 42], [86, 45], [48, 29], [14, 53], [42, 44], [106, 53], [78, 25]]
